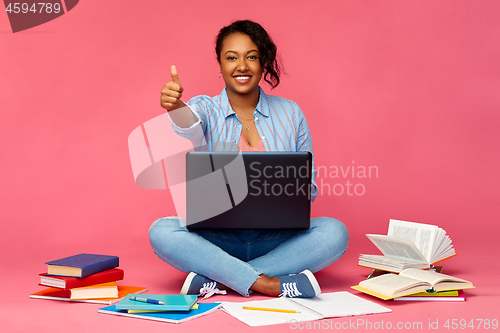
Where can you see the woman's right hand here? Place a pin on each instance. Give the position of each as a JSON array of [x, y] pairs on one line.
[[172, 92]]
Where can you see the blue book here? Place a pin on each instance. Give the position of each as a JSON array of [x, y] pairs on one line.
[[172, 302], [81, 265], [175, 317]]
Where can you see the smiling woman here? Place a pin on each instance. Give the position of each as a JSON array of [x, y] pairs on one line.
[[241, 69], [243, 117]]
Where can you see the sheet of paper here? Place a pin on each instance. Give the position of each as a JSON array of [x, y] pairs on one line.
[[261, 318], [340, 304]]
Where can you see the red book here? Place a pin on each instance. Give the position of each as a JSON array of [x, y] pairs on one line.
[[67, 282]]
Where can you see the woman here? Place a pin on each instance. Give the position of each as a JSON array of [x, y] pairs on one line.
[[267, 261]]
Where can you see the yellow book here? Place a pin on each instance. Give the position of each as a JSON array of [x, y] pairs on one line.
[[448, 293], [439, 296]]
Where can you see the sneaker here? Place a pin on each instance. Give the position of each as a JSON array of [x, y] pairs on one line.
[[196, 284], [303, 285]]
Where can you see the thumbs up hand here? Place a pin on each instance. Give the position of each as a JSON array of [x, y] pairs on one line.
[[172, 92]]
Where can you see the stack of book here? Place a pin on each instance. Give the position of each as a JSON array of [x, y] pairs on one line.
[[406, 270], [84, 277], [167, 308]]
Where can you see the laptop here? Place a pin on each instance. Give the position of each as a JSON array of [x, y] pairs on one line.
[[248, 190]]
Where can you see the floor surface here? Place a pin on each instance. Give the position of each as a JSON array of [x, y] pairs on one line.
[[143, 268]]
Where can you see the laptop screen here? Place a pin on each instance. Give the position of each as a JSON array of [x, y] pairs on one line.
[[248, 190]]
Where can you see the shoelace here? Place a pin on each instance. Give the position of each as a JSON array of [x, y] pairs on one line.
[[210, 289], [290, 290]]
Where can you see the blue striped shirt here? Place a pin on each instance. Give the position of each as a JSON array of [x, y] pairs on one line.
[[279, 121]]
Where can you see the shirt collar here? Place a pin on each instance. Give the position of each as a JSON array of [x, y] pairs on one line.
[[262, 106]]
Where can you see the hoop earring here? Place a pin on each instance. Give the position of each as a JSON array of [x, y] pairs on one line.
[[220, 74]]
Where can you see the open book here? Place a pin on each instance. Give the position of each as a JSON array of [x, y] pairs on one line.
[[410, 281], [408, 245]]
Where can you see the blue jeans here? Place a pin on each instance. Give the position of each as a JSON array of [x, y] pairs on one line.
[[236, 258]]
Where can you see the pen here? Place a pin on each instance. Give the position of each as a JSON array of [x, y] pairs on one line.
[[268, 309], [146, 300]]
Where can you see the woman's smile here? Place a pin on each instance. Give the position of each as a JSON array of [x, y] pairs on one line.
[[242, 79]]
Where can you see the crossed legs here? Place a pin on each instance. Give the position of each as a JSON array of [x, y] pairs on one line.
[[237, 258]]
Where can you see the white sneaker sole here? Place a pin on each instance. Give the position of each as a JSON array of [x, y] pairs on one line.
[[187, 283]]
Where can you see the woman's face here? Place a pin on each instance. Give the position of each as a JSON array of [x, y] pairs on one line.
[[240, 65]]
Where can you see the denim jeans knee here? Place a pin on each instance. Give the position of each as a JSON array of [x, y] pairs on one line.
[[164, 218]]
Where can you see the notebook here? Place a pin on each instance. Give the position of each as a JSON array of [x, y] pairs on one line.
[[174, 317], [248, 190], [172, 303]]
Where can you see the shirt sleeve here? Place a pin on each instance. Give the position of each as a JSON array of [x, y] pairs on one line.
[[195, 133], [304, 143]]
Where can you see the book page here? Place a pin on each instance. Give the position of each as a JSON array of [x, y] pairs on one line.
[[389, 263], [393, 284], [422, 235], [438, 240], [445, 250], [429, 276], [397, 247], [443, 246]]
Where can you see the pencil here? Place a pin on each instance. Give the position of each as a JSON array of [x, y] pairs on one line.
[[268, 309]]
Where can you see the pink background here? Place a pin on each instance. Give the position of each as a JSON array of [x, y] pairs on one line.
[[411, 87]]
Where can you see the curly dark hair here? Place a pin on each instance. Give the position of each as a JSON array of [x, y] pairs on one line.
[[267, 49]]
